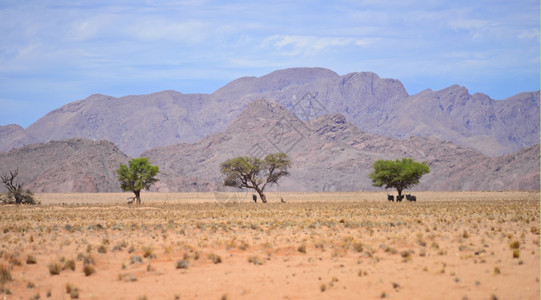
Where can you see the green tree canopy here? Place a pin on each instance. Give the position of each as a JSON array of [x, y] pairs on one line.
[[139, 175], [254, 173], [399, 174]]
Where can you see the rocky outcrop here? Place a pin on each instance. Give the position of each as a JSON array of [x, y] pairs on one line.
[[74, 165]]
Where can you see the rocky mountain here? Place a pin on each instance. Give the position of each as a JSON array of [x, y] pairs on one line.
[[331, 154], [375, 105], [74, 165]]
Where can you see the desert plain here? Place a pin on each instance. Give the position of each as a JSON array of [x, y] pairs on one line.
[[447, 245]]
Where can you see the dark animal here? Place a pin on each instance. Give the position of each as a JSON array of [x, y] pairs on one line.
[[390, 198], [411, 198], [399, 198], [254, 197], [130, 200], [282, 200]]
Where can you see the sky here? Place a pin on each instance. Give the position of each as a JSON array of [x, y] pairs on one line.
[[56, 52]]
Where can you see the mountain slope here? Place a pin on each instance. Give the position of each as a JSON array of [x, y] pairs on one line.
[[375, 105], [74, 165]]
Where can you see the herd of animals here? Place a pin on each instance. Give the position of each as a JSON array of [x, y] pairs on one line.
[[399, 198]]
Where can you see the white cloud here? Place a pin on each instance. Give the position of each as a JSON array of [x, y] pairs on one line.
[[298, 44], [530, 34], [468, 24], [91, 28]]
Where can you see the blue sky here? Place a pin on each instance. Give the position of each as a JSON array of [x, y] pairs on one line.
[[56, 52]]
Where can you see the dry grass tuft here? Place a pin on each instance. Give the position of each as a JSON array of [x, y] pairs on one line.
[[514, 245], [89, 270], [31, 260], [256, 260], [55, 268], [215, 258], [182, 264]]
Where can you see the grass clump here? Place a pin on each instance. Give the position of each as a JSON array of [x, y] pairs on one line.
[[514, 244], [148, 252], [86, 258], [215, 258], [182, 264], [358, 247], [102, 249], [406, 255], [244, 245], [31, 260], [89, 270], [72, 290], [69, 264], [35, 297], [136, 259], [256, 260], [5, 274], [55, 268]]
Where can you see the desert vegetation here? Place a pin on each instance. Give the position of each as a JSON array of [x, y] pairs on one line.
[[16, 194], [255, 173], [398, 174], [139, 175], [470, 245]]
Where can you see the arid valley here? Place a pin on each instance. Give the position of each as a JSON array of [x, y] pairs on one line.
[[449, 245]]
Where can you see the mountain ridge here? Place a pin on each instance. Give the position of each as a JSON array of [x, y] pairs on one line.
[[376, 105]]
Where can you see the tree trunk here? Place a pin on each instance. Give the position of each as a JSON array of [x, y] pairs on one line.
[[261, 195], [137, 196]]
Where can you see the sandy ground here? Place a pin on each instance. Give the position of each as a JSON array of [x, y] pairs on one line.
[[468, 245]]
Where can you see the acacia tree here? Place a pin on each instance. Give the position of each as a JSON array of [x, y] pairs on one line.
[[399, 174], [139, 175], [254, 173]]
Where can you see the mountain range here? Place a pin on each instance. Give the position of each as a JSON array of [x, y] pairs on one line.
[[333, 128], [329, 154], [375, 105]]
